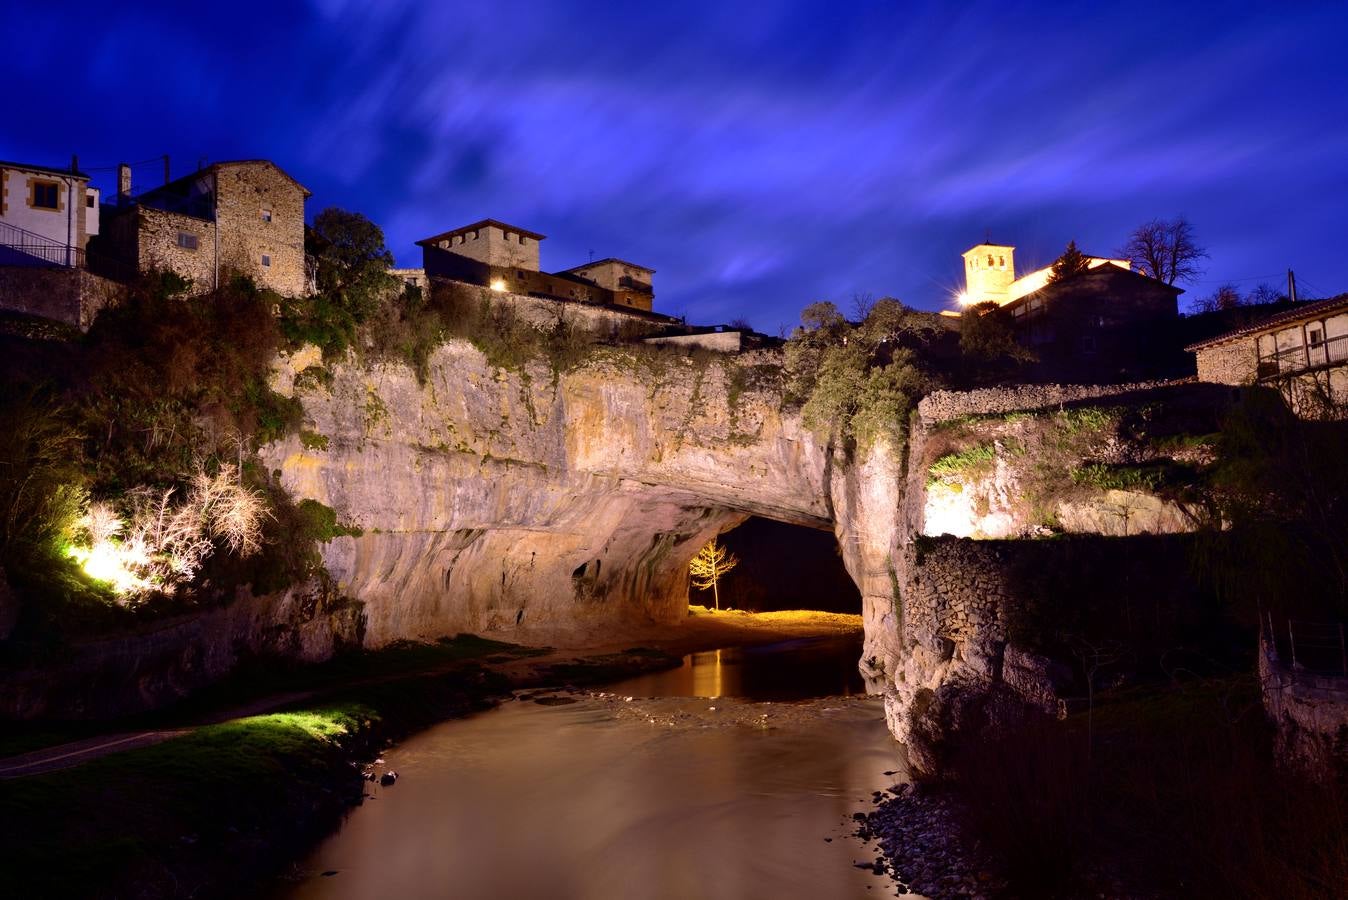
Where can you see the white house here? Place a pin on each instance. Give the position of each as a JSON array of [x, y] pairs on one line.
[[47, 215]]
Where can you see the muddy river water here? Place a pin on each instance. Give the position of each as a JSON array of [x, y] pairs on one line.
[[734, 776]]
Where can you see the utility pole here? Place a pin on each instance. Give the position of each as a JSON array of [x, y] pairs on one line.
[[1291, 286]]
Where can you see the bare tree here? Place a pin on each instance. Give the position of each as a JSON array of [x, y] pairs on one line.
[[1226, 296], [862, 304], [711, 562], [1165, 250]]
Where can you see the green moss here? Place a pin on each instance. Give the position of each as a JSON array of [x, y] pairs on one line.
[[319, 522], [312, 440]]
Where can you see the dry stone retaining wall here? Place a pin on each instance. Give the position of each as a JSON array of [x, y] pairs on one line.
[[942, 406]]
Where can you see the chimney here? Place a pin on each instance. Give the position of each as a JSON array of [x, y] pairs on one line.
[[123, 183]]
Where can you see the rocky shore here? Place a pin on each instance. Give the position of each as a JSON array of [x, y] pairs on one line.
[[922, 847]]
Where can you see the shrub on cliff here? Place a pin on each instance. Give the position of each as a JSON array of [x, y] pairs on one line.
[[166, 390], [857, 382]]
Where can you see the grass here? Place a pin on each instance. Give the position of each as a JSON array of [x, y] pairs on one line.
[[962, 462]]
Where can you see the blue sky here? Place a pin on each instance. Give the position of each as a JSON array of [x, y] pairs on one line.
[[759, 156]]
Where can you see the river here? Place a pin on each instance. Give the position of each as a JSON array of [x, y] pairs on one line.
[[734, 776]]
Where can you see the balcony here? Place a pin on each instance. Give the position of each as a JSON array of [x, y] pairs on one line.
[[1304, 358]]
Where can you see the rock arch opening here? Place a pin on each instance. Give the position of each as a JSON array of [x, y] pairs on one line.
[[783, 566]]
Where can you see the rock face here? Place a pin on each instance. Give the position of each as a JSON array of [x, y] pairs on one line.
[[561, 506], [568, 504]]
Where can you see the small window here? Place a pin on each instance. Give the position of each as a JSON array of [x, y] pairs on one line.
[[187, 240], [1316, 336], [989, 260], [46, 195], [266, 260], [266, 215], [89, 201]]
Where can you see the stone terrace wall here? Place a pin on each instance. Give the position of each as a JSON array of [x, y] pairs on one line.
[[942, 406], [546, 313], [1234, 362], [72, 296]]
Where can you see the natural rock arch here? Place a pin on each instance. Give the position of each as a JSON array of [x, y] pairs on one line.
[[533, 502]]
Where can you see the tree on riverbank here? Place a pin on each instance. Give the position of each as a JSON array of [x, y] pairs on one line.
[[711, 562]]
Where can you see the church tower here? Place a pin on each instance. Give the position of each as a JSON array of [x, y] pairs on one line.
[[989, 270]]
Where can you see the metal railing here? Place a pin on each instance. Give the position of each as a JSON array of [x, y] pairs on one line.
[[1304, 357], [21, 247], [1319, 648]]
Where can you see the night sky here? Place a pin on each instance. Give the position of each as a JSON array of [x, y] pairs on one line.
[[759, 156]]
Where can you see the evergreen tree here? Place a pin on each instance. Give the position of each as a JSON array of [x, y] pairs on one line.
[[1072, 263]]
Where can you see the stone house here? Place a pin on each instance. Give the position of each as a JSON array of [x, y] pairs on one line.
[[505, 258], [1301, 351], [47, 216], [244, 216]]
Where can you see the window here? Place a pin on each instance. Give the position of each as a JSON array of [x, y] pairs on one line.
[[1001, 262], [187, 240], [89, 201], [1316, 336], [46, 195], [266, 215], [989, 260], [266, 260]]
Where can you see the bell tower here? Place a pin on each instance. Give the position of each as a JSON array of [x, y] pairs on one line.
[[989, 270]]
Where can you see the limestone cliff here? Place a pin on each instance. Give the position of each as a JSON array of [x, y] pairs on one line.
[[565, 505], [543, 503]]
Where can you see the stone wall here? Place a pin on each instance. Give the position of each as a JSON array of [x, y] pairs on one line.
[[156, 244], [546, 313], [153, 667], [1309, 711], [942, 406], [1233, 362], [718, 341], [244, 192], [72, 296]]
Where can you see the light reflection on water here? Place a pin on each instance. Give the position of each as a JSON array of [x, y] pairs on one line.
[[791, 670], [577, 803]]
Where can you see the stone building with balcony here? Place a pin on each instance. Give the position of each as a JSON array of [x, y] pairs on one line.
[[243, 216], [1302, 351], [47, 216]]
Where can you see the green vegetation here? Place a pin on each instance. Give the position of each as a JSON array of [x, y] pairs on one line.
[[320, 522], [1087, 420], [965, 463], [155, 406], [857, 383], [1153, 477], [312, 440]]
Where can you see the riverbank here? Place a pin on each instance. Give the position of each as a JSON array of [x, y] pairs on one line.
[[217, 810]]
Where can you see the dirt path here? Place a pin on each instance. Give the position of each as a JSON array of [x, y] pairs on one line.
[[703, 630]]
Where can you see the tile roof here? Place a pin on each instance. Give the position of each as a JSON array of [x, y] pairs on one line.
[[1305, 311]]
